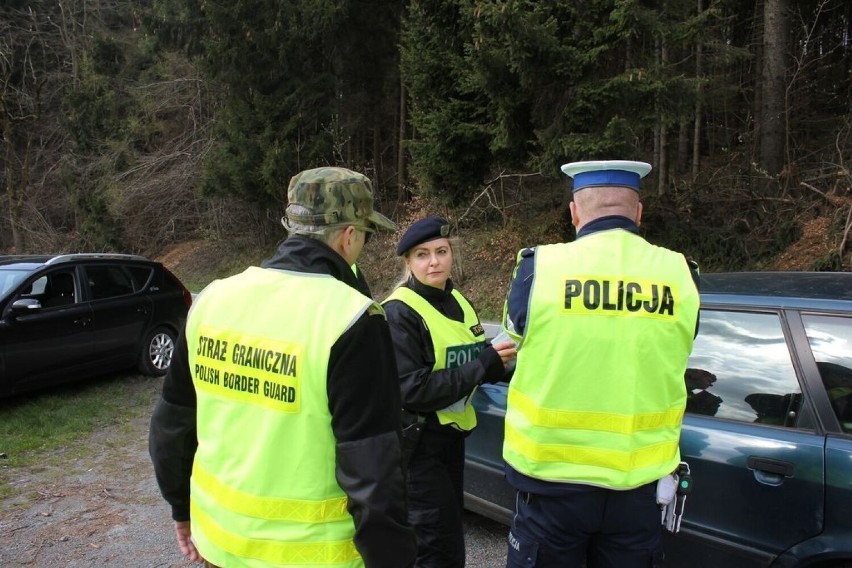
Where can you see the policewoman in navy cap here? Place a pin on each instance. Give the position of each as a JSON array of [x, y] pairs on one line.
[[442, 356], [605, 325]]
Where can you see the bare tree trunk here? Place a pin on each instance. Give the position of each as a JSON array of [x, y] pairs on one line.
[[657, 126], [663, 174], [656, 157], [699, 103], [757, 102], [696, 135], [683, 145], [378, 163], [773, 133], [400, 156], [663, 165], [23, 190], [12, 198], [68, 33]]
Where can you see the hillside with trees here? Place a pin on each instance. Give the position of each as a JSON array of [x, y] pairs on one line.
[[135, 125]]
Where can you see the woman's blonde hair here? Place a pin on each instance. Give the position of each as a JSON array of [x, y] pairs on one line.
[[455, 272]]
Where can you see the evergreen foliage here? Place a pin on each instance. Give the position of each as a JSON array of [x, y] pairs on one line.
[[118, 115], [450, 148], [303, 84]]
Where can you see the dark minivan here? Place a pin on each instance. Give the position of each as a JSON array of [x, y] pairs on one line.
[[66, 317], [767, 431]]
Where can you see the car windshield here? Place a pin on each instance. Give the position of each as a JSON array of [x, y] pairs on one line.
[[11, 277]]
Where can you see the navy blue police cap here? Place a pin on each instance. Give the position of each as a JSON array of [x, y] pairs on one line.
[[607, 173], [422, 231]]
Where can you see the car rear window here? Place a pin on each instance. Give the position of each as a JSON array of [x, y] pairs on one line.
[[108, 281], [830, 338], [741, 369], [170, 281], [141, 275]]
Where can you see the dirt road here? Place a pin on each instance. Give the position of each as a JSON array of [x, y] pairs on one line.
[[105, 509], [101, 510]]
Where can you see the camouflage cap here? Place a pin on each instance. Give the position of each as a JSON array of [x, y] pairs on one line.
[[333, 196]]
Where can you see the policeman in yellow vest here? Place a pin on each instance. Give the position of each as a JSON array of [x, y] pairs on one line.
[[442, 357], [277, 441], [605, 326]]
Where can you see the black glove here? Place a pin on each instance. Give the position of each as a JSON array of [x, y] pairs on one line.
[[493, 365]]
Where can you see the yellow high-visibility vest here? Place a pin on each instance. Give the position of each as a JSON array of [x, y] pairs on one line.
[[263, 487], [598, 393], [455, 344]]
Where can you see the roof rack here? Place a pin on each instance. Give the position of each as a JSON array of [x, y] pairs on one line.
[[814, 285], [35, 257], [93, 256]]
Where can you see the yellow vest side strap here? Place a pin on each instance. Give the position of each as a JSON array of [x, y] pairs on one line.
[[274, 552], [599, 421], [297, 510]]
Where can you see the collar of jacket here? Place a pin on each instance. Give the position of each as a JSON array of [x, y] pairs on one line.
[[431, 293], [304, 254], [606, 223]]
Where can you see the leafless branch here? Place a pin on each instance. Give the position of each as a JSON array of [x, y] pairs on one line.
[[842, 250]]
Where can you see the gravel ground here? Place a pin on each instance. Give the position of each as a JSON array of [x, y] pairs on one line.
[[485, 541], [106, 510]]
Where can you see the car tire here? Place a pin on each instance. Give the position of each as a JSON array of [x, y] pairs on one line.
[[157, 351]]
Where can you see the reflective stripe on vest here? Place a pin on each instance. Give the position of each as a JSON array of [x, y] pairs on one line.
[[297, 510], [455, 343], [602, 413], [260, 552], [263, 488]]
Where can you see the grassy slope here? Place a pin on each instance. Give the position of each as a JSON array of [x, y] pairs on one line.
[[490, 237], [39, 432]]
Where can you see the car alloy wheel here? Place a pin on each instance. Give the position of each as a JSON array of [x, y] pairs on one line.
[[158, 352]]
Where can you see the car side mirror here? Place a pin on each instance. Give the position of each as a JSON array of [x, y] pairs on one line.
[[25, 305]]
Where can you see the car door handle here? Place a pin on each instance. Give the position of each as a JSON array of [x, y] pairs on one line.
[[82, 322], [769, 471], [142, 310]]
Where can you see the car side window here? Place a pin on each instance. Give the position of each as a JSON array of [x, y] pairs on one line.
[[58, 289], [741, 369], [35, 289], [141, 275], [108, 282], [830, 338]]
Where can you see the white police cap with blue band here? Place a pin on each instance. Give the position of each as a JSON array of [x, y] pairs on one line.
[[607, 173]]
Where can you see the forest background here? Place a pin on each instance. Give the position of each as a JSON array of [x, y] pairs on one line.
[[171, 128]]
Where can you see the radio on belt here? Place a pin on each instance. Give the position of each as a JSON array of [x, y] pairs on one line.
[[672, 511]]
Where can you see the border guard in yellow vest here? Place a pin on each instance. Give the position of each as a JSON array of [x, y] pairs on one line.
[[277, 439], [605, 326]]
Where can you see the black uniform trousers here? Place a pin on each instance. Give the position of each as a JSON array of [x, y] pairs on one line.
[[602, 527], [435, 498]]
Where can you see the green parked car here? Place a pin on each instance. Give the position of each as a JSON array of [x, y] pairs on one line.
[[767, 432]]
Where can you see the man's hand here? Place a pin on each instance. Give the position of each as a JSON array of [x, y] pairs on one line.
[[507, 350], [183, 531]]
